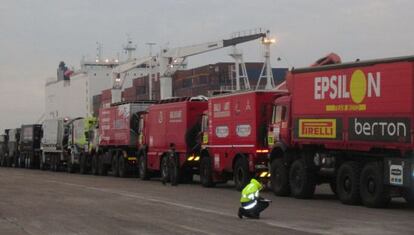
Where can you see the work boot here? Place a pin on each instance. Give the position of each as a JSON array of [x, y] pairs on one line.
[[240, 214]]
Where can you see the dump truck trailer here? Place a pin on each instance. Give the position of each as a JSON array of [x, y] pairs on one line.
[[169, 138], [234, 138], [30, 138], [349, 125], [118, 138]]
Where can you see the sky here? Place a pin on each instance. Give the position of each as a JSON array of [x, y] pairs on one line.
[[35, 35]]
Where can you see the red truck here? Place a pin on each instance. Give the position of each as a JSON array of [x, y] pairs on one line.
[[170, 129], [118, 137], [349, 125], [234, 138]]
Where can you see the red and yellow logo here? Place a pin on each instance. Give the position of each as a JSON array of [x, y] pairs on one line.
[[351, 91], [317, 128]]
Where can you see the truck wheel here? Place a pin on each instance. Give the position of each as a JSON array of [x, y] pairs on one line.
[[122, 167], [82, 164], [302, 180], [70, 167], [95, 164], [373, 191], [279, 181], [408, 195], [206, 172], [115, 165], [164, 169], [143, 169], [332, 185], [102, 167], [241, 173], [348, 183]]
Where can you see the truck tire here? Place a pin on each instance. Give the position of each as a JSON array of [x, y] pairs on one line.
[[115, 165], [348, 183], [408, 195], [143, 168], [42, 165], [165, 176], [301, 180], [332, 185], [241, 173], [206, 172], [122, 167], [102, 169], [374, 193], [82, 164], [70, 167], [94, 164], [279, 180]]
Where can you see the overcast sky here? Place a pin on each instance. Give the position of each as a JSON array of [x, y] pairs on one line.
[[36, 34]]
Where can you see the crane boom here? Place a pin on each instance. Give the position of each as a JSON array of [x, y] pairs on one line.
[[209, 46], [117, 78]]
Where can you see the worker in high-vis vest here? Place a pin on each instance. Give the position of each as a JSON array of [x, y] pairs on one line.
[[251, 203]]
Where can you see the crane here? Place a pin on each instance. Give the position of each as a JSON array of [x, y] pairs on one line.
[[169, 59], [119, 73]]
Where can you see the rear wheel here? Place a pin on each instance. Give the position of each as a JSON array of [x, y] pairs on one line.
[[143, 169], [408, 195], [279, 174], [70, 166], [102, 169], [348, 183], [241, 173], [95, 164], [373, 191], [115, 164], [206, 172], [302, 180]]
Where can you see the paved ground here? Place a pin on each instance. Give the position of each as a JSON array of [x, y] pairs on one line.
[[36, 202]]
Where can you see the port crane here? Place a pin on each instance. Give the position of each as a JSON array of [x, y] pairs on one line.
[[168, 61]]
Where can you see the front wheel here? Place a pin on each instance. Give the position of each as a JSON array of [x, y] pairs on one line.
[[279, 178], [82, 164], [241, 173], [206, 172], [302, 180], [143, 169]]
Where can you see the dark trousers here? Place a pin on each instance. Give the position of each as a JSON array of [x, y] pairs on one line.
[[255, 211]]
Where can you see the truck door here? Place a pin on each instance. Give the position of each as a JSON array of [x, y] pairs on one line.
[[279, 126]]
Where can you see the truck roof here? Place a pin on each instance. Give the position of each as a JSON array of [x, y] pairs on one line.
[[245, 92], [353, 64]]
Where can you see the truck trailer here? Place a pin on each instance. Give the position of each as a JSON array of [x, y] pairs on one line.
[[169, 135], [30, 138], [234, 138], [349, 125], [4, 152], [118, 138], [13, 158], [54, 144]]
